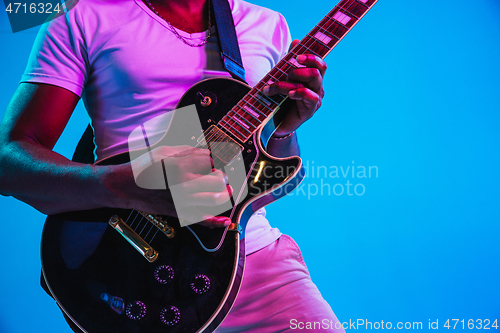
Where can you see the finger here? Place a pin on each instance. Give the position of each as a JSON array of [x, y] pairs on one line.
[[180, 151], [281, 87], [185, 167], [207, 183], [311, 100], [312, 61], [294, 42], [210, 199], [216, 221], [196, 216], [311, 77]]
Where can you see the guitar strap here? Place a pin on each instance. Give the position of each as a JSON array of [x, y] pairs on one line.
[[228, 41]]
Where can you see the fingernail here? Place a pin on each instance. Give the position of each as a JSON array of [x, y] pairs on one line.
[[301, 58], [230, 190], [292, 93], [227, 222], [266, 90]]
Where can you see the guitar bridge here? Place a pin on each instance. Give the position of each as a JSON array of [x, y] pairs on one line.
[[158, 222], [133, 238]]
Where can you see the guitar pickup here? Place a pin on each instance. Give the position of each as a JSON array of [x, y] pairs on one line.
[[133, 238], [221, 145]]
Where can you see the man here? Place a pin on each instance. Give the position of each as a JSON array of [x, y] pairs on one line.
[[128, 59]]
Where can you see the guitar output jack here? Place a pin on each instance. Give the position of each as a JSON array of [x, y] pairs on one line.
[[205, 100]]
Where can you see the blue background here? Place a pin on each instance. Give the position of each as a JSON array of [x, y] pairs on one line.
[[412, 90]]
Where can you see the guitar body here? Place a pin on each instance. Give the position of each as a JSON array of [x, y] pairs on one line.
[[104, 284]]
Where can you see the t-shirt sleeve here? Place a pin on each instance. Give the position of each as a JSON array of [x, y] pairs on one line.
[[283, 33], [59, 54]]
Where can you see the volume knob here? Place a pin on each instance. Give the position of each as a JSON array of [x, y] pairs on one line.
[[164, 274], [170, 316], [136, 310], [200, 284]]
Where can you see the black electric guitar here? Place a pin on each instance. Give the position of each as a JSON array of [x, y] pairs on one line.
[[115, 270]]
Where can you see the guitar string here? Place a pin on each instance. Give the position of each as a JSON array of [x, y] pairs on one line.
[[137, 214], [152, 226], [145, 225]]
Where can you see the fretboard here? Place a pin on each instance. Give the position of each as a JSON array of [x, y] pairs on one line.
[[255, 108]]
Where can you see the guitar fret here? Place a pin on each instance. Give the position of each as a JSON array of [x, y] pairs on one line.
[[363, 3], [249, 105], [300, 44], [318, 48], [294, 63], [237, 135], [245, 126], [236, 128], [334, 39], [231, 126], [246, 120], [343, 4], [247, 113], [282, 73], [337, 29], [357, 9], [265, 98], [339, 23], [341, 17], [253, 111], [270, 81], [321, 42], [326, 32], [272, 78], [348, 13], [258, 100]]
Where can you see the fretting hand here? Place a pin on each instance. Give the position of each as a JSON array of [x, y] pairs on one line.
[[304, 85]]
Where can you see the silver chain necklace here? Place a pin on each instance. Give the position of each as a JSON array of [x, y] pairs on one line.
[[174, 31]]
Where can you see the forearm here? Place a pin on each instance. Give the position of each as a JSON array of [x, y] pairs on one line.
[[51, 183], [284, 147]]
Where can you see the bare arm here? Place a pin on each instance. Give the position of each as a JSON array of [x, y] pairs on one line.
[[29, 169], [33, 173]]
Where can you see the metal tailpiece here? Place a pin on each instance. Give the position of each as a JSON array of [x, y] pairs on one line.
[[133, 238]]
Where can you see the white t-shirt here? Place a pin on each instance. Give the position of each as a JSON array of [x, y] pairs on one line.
[[126, 64]]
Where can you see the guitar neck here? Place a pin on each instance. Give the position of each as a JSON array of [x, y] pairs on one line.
[[246, 117]]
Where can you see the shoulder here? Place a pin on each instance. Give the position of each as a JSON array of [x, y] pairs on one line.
[[92, 14], [263, 37], [247, 15], [260, 23]]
